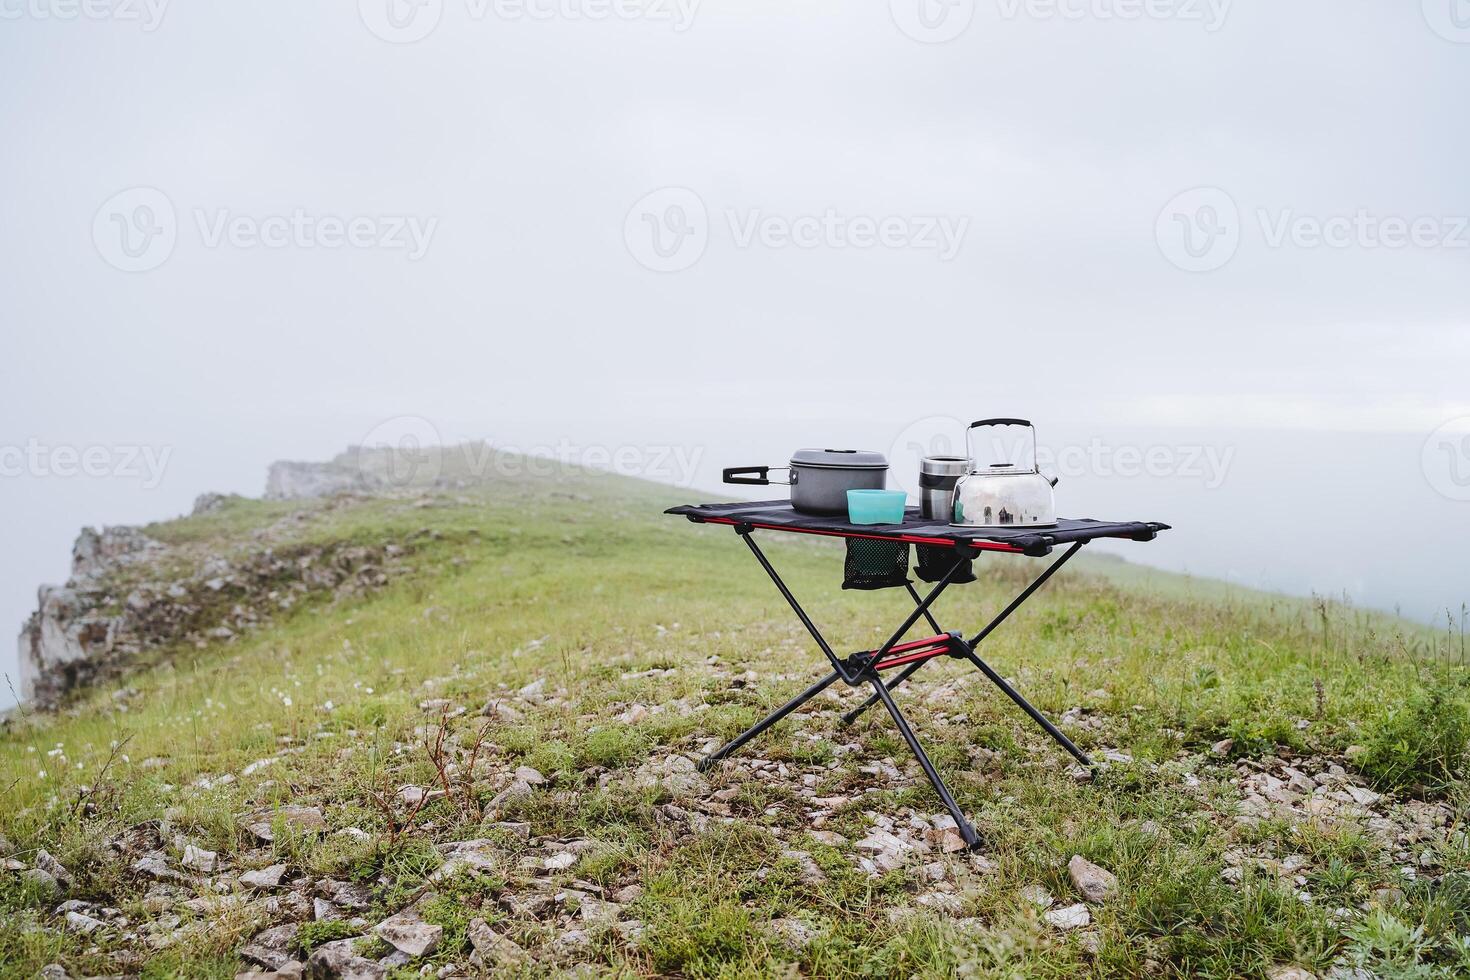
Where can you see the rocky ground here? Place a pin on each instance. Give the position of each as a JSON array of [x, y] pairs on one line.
[[525, 900], [453, 732], [129, 594]]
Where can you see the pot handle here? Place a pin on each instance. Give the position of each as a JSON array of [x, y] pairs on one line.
[[762, 477], [1035, 468]]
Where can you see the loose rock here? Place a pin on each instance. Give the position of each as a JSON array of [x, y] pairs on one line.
[[1071, 917], [301, 819], [1094, 884], [339, 961], [674, 774], [409, 932], [269, 948], [199, 859], [265, 878], [492, 948]]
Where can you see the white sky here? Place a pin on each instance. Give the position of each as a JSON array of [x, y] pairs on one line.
[[1054, 139]]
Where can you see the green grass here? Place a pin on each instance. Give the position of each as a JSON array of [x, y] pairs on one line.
[[1420, 744], [510, 583]]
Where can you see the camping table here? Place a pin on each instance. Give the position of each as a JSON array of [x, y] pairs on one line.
[[864, 667]]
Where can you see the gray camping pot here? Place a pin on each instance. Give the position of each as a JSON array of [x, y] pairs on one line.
[[820, 478]]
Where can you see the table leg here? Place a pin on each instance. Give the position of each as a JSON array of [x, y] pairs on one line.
[[1025, 706], [907, 672], [708, 761], [918, 601], [966, 831], [873, 699]]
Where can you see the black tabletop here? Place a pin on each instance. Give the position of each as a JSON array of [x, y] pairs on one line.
[[779, 515]]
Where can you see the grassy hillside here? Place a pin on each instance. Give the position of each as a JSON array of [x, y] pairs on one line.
[[1283, 785]]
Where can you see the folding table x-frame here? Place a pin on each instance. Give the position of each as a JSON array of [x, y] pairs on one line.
[[864, 668]]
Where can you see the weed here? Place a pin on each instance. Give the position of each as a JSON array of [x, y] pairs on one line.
[[1421, 743], [312, 935]]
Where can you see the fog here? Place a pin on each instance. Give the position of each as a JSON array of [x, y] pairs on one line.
[[238, 233]]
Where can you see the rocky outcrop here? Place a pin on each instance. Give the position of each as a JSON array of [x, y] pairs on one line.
[[383, 469], [288, 480], [69, 635], [61, 644], [129, 593], [96, 553]]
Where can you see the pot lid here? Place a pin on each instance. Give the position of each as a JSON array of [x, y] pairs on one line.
[[848, 459]]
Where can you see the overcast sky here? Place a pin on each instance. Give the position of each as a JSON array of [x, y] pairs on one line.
[[236, 232]]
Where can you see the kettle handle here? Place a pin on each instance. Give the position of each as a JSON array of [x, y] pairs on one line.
[[976, 425], [1035, 467]]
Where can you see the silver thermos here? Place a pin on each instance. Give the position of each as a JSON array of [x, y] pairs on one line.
[[937, 477]]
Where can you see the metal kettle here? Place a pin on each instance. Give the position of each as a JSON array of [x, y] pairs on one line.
[[1003, 494]]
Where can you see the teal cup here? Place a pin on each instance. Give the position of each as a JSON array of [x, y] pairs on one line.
[[876, 506]]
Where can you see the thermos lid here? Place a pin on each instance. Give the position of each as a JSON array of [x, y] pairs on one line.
[[944, 466]]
